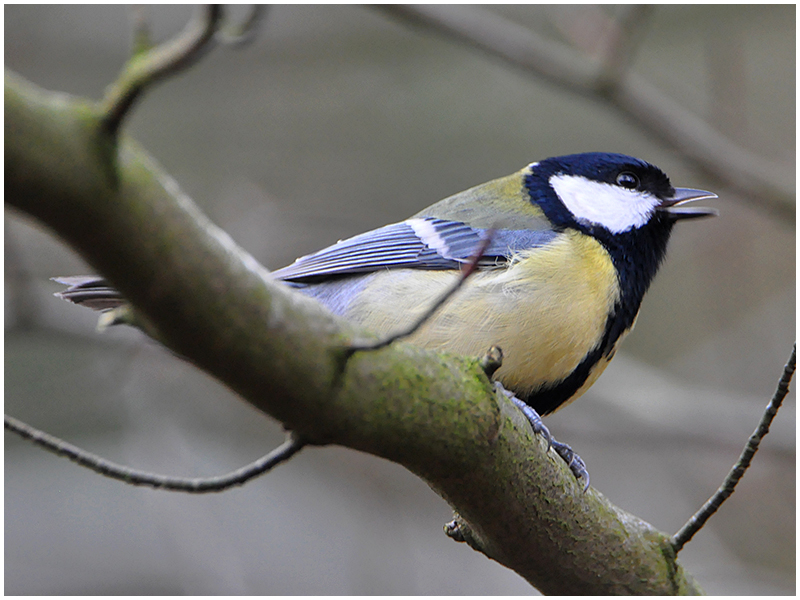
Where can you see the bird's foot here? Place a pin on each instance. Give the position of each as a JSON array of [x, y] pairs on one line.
[[574, 462]]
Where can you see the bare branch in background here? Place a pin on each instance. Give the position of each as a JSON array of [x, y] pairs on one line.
[[769, 184], [623, 38]]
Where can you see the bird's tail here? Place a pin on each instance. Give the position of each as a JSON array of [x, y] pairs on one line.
[[90, 291]]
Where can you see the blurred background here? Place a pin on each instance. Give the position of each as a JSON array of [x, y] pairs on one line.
[[334, 121]]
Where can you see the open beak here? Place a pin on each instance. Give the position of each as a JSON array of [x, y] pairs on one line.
[[676, 210]]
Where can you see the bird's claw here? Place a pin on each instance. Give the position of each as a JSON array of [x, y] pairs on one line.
[[574, 462], [533, 418]]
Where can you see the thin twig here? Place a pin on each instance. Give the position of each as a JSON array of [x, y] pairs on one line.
[[699, 519], [141, 34], [145, 68], [245, 32], [199, 485], [468, 269]]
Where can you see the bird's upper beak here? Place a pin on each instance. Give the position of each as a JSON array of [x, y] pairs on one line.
[[676, 210]]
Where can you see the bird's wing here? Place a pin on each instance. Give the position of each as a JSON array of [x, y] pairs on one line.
[[420, 242]]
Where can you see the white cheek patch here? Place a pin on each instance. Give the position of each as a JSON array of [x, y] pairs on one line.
[[611, 206]]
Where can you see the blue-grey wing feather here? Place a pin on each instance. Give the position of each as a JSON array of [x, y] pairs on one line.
[[420, 243]]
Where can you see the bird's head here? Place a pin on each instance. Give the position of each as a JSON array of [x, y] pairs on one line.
[[606, 194]]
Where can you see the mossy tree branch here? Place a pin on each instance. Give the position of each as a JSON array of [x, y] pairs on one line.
[[202, 296]]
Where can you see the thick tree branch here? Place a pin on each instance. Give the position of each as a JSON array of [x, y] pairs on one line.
[[202, 296]]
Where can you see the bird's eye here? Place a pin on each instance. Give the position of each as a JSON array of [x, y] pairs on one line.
[[628, 180]]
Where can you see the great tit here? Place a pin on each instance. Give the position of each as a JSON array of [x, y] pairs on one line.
[[575, 243]]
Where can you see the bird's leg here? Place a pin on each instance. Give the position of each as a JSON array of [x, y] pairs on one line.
[[574, 462]]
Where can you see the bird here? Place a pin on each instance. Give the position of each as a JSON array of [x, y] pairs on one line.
[[570, 246], [575, 243]]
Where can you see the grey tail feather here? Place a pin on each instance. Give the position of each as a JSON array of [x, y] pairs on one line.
[[91, 291]]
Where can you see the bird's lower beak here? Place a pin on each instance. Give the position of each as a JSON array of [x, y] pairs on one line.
[[676, 210]]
